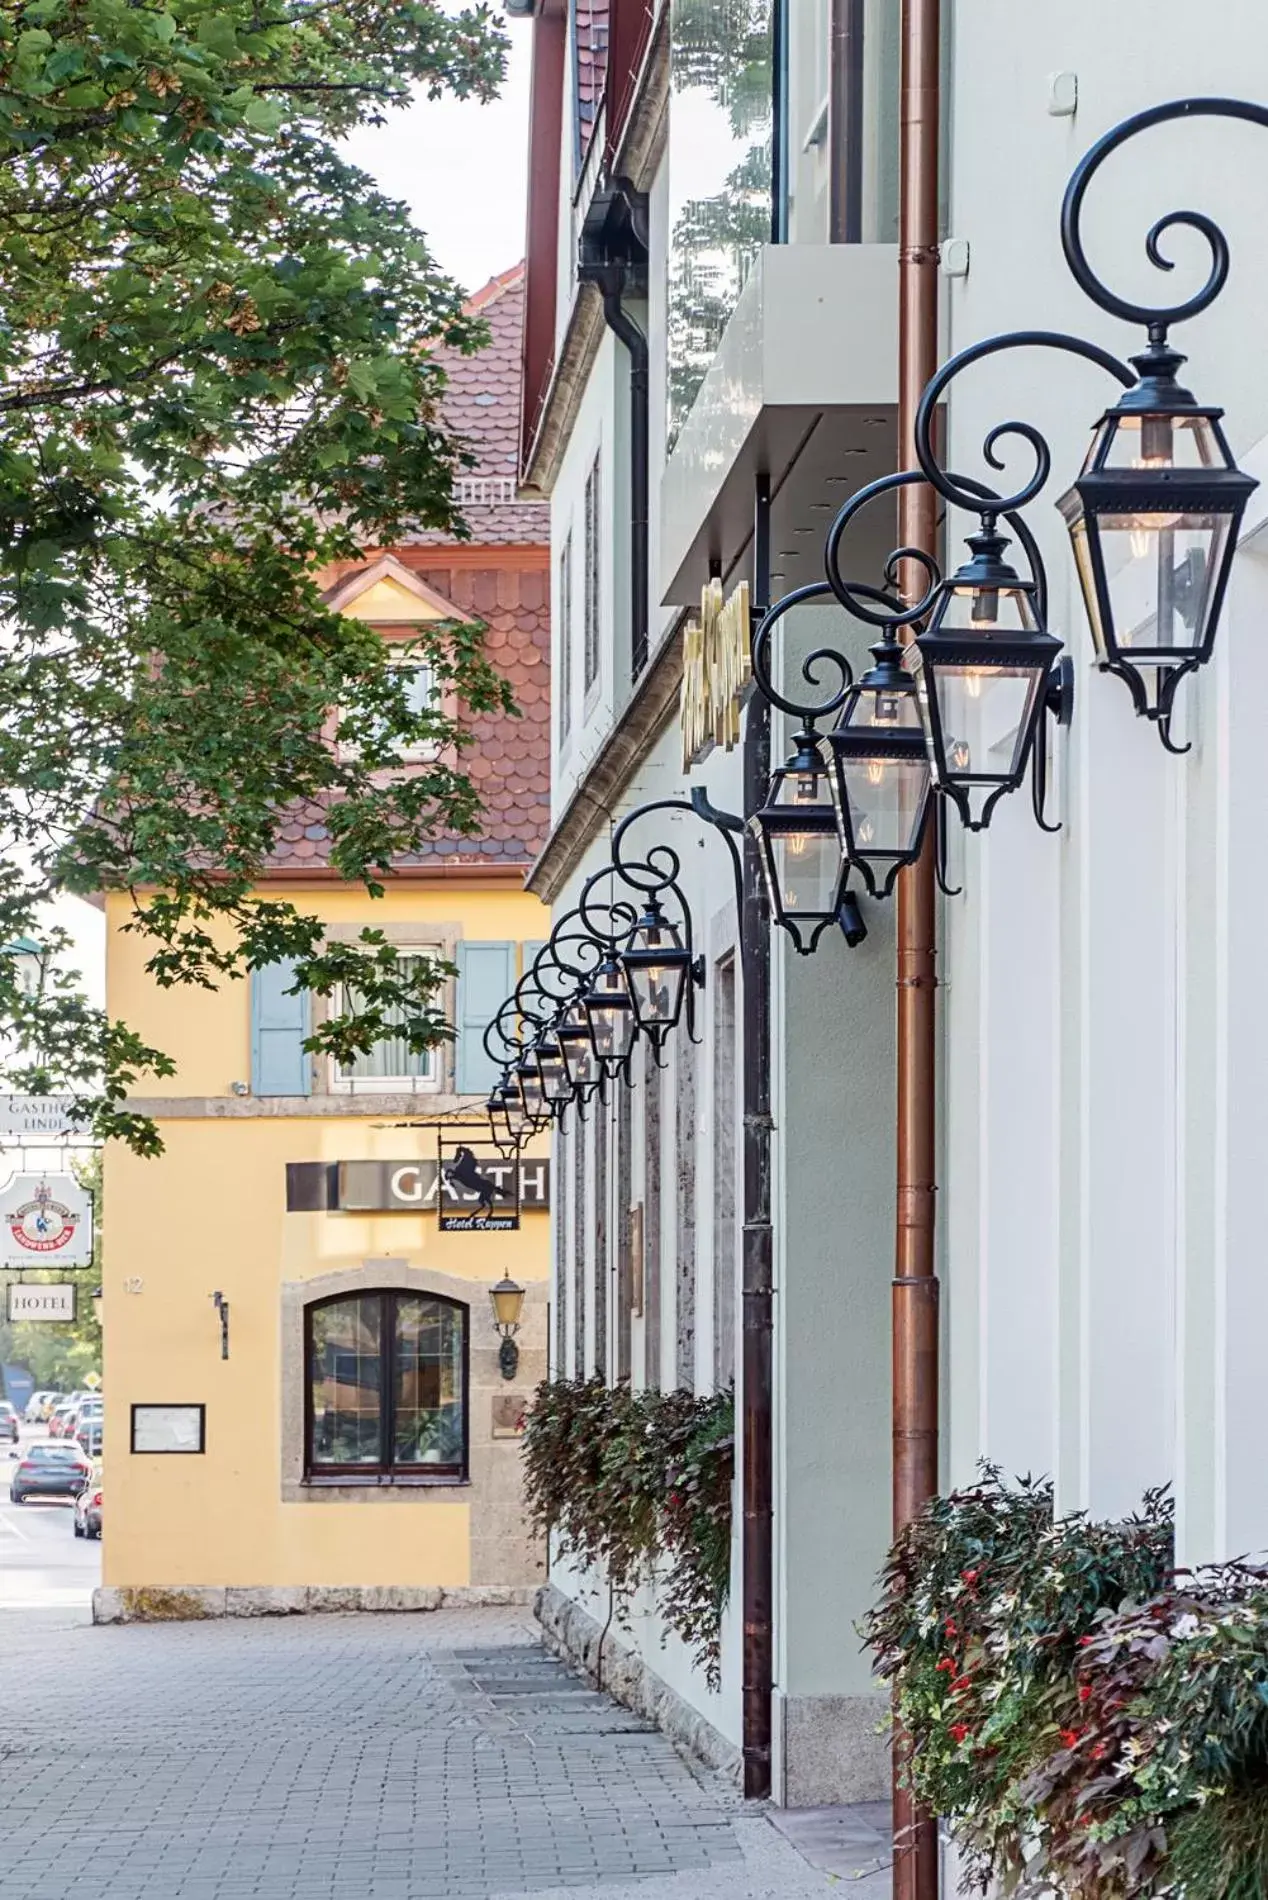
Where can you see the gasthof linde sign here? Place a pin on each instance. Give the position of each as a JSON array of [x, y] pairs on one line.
[[716, 669]]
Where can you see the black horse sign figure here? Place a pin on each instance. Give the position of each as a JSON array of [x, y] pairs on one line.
[[480, 1194]]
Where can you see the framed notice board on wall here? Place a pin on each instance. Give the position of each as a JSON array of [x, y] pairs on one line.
[[169, 1428]]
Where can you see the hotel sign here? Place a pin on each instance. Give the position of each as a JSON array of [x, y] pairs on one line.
[[716, 669], [410, 1187], [47, 1305]]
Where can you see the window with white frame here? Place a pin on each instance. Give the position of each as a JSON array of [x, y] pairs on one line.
[[565, 638], [391, 1067], [419, 682], [594, 547]]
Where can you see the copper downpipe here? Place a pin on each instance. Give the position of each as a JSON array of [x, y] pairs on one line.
[[915, 1292]]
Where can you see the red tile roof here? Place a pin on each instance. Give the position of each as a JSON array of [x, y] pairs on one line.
[[590, 52], [509, 761], [480, 408]]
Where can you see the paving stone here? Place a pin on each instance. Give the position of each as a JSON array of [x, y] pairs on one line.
[[371, 1756]]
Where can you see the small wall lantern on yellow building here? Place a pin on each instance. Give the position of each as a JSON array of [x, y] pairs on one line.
[[507, 1298]]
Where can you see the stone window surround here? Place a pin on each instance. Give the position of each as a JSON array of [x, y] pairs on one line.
[[443, 939], [484, 1382]]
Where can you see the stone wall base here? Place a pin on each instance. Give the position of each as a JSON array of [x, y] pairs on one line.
[[572, 1633], [191, 1603], [831, 1749]]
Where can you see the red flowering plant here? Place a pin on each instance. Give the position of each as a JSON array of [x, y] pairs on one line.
[[1166, 1791], [985, 1601]]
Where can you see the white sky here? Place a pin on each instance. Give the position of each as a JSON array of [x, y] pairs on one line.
[[461, 168]]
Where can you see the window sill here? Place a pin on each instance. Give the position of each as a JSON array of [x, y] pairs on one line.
[[326, 1481], [405, 1492]]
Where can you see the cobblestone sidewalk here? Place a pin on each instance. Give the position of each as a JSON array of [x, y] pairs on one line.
[[439, 1757]]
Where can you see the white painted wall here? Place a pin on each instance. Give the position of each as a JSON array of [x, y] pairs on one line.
[[1105, 1130]]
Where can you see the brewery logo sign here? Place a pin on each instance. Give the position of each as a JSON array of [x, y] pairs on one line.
[[45, 1220]]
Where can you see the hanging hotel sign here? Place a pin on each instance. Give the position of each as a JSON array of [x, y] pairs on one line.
[[47, 1305], [415, 1187], [48, 1116], [716, 669], [45, 1221]]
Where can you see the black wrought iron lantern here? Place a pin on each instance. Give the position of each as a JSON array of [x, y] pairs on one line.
[[1153, 519], [801, 850], [532, 1097], [610, 1014], [553, 1071], [658, 971], [984, 671], [505, 1113], [881, 783], [576, 1045]]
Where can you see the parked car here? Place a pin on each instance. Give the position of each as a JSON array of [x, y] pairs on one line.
[[88, 1437], [50, 1471], [59, 1419], [88, 1510], [34, 1413], [8, 1421]]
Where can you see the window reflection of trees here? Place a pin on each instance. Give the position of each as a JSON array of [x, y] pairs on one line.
[[387, 1376], [721, 68]]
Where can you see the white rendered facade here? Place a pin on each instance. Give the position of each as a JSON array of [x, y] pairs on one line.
[[1105, 1133]]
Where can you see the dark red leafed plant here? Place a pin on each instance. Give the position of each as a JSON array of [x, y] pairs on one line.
[[638, 1485]]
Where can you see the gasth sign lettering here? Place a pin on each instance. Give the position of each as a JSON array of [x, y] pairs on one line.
[[716, 670], [403, 1187], [47, 1305]]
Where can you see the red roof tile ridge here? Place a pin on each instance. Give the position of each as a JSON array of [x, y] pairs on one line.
[[490, 292]]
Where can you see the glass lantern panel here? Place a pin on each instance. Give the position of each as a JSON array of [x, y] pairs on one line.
[[1156, 441], [882, 712], [807, 871], [985, 714], [1087, 581], [613, 1030], [580, 1057], [1004, 610], [799, 791], [555, 1084], [657, 990], [1162, 570], [887, 800]]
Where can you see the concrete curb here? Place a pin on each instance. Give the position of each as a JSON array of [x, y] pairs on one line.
[[194, 1603]]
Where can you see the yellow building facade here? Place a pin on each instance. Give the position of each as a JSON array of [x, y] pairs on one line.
[[210, 1216]]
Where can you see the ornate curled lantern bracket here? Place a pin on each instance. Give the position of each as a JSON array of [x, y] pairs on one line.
[[659, 959], [1154, 512]]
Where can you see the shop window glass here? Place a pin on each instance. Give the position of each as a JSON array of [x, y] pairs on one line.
[[387, 1386]]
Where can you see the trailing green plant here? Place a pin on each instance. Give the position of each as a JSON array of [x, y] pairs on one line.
[[636, 1482]]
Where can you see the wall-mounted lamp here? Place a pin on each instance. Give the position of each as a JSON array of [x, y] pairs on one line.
[[507, 1300], [221, 1305]]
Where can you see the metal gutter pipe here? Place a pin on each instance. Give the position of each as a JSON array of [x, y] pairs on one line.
[[915, 1287]]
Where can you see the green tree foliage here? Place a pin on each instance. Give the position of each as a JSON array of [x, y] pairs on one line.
[[217, 376]]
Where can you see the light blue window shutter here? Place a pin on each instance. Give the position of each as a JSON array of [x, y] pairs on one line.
[[532, 950], [279, 1026], [486, 977]]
